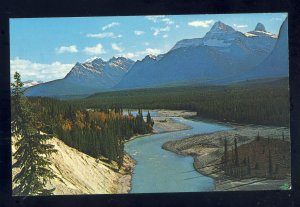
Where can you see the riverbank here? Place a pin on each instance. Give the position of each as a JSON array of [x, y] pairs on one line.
[[164, 122], [78, 173], [207, 150]]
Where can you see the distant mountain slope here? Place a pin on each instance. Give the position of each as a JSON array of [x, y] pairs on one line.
[[85, 78], [277, 63], [274, 66], [222, 52]]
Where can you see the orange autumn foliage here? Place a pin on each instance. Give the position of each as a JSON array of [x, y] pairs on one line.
[[80, 119], [67, 125], [130, 117], [102, 116], [113, 115]]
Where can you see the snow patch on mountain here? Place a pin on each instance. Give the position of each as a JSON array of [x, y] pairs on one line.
[[85, 78], [260, 30], [30, 83]]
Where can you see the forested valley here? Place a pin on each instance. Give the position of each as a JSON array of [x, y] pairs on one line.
[[96, 132], [96, 125], [261, 102]]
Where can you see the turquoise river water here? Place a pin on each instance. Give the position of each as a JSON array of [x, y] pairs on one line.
[[158, 170]]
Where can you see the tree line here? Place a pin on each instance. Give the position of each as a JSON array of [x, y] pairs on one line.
[[265, 104], [96, 132]]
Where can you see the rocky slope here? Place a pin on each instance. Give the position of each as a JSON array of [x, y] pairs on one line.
[[78, 173], [85, 78]]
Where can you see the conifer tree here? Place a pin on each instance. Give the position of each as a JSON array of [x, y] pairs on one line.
[[225, 153], [32, 151], [248, 166], [236, 154], [148, 118], [270, 165]]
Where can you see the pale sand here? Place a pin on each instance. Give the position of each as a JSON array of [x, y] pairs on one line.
[[175, 113], [165, 124], [78, 173], [207, 150]]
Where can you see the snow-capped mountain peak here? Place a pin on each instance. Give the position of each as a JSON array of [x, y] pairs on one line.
[[221, 27], [120, 63], [30, 83], [113, 59], [152, 56], [260, 27], [97, 60], [99, 66], [85, 78], [260, 30], [221, 35]]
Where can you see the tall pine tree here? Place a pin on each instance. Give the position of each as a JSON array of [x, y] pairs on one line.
[[236, 153], [32, 150], [225, 153]]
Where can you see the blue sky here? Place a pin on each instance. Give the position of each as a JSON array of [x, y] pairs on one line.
[[47, 48]]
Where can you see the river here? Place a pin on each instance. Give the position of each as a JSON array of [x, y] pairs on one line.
[[158, 170]]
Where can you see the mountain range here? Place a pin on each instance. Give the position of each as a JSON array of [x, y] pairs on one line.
[[222, 56], [85, 78]]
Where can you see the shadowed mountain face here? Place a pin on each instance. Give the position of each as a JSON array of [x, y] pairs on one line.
[[85, 78], [275, 65], [222, 52], [222, 56]]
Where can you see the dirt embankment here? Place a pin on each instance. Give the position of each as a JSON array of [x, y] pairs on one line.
[[208, 149], [78, 173]]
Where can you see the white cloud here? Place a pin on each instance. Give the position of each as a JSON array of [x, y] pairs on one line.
[[240, 25], [138, 33], [38, 71], [155, 18], [177, 26], [108, 26], [90, 59], [97, 50], [118, 36], [152, 51], [104, 35], [165, 36], [205, 23], [130, 55], [276, 19], [146, 43], [157, 31], [65, 49], [141, 54], [167, 21], [116, 47], [160, 18]]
